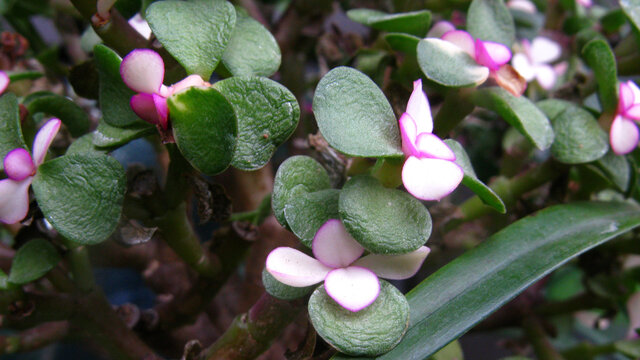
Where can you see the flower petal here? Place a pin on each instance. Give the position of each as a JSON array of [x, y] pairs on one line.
[[544, 50], [545, 76], [461, 39], [14, 200], [295, 268], [162, 110], [522, 5], [395, 267], [491, 54], [4, 81], [18, 164], [440, 28], [142, 71], [334, 247], [430, 179], [354, 288], [633, 112], [430, 145], [408, 133], [626, 97], [521, 63], [585, 3], [623, 135], [189, 81], [418, 108], [144, 106], [141, 25], [43, 140]]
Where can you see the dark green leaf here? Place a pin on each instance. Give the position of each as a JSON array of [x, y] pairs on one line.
[[81, 195], [73, 116], [413, 23], [283, 291], [204, 127], [308, 211], [453, 351], [107, 136], [601, 60], [85, 80], [24, 75], [10, 130], [84, 144], [4, 280], [491, 20], [613, 20], [267, 115], [448, 65], [616, 168], [195, 32], [632, 9], [403, 42], [383, 221], [354, 116], [32, 261]]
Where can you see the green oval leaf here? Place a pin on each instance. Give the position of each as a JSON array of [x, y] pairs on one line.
[[413, 22], [354, 116], [508, 262], [470, 180], [306, 212], [10, 129], [83, 145], [631, 8], [195, 32], [301, 172], [446, 64], [204, 127], [616, 169], [579, 138], [73, 116], [383, 221], [32, 261], [283, 291], [520, 112], [81, 195], [267, 114], [252, 50], [111, 137], [599, 56], [491, 20], [372, 331], [403, 42]]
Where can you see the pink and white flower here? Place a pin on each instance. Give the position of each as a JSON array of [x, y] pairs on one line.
[[348, 279], [486, 53], [522, 5], [4, 81], [623, 134], [430, 171], [585, 3], [20, 168], [534, 62]]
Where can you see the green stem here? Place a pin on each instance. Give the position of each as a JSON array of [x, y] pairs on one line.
[[177, 186], [34, 338], [538, 338], [454, 109], [78, 257]]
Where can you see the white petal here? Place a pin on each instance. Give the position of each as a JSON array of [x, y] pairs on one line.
[[544, 50], [395, 267], [4, 81], [354, 288], [523, 66], [143, 71], [461, 39], [546, 76], [623, 135], [14, 200], [141, 25], [522, 5], [440, 28], [18, 164], [430, 145], [408, 134], [635, 90], [418, 108], [43, 140], [430, 179], [295, 268], [189, 81], [334, 247], [626, 97], [491, 54]]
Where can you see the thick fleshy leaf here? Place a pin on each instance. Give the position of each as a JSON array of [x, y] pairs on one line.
[[142, 70], [81, 196], [204, 127], [4, 81], [461, 39], [33, 260], [196, 33], [395, 267], [430, 145], [10, 130], [18, 164], [283, 291], [430, 179], [402, 42], [368, 332], [334, 247], [616, 169], [252, 50], [578, 137], [491, 274], [623, 135], [419, 109], [267, 114], [15, 200], [354, 115], [107, 136], [601, 60], [470, 180], [491, 20], [73, 116], [383, 221], [307, 212], [43, 140], [520, 112], [414, 22], [492, 54], [301, 172], [354, 288], [84, 145], [114, 95], [631, 8], [448, 65], [295, 268]]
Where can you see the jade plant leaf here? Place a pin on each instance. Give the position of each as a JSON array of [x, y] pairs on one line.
[[470, 180], [520, 112], [631, 8], [81, 196], [446, 64], [383, 221], [195, 32], [84, 144], [616, 168], [413, 23], [354, 115], [491, 20], [578, 137], [283, 291], [307, 212], [296, 175], [599, 56], [251, 50], [403, 42], [72, 116], [110, 137], [267, 114], [204, 127], [32, 261], [368, 332], [10, 130], [114, 95]]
